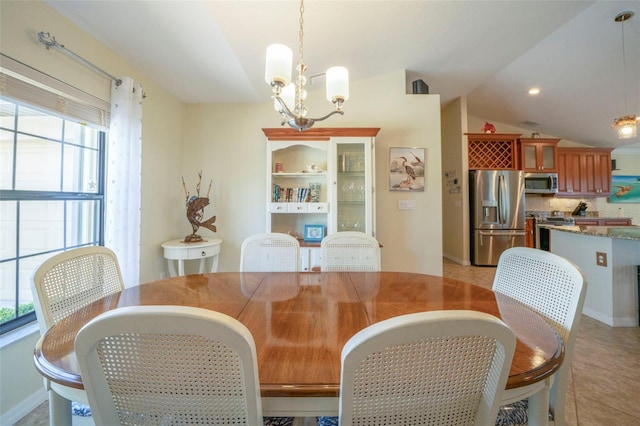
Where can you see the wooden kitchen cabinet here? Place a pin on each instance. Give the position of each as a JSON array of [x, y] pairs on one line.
[[602, 221], [529, 239], [598, 172], [584, 172], [570, 174], [492, 151], [538, 155]]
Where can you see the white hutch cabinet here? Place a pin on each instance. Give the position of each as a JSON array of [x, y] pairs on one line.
[[322, 176]]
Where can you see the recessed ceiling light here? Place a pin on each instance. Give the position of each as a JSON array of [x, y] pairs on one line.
[[534, 91]]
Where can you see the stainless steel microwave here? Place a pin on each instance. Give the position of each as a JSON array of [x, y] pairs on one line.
[[541, 183]]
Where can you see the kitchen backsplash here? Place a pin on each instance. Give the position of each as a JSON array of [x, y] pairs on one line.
[[596, 207]]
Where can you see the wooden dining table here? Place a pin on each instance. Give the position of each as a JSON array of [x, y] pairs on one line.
[[301, 321]]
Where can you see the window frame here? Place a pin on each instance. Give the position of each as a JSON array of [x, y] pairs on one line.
[[20, 196]]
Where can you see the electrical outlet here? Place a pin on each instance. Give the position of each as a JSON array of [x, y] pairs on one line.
[[601, 258]]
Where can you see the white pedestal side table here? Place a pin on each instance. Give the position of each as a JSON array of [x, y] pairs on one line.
[[176, 250]]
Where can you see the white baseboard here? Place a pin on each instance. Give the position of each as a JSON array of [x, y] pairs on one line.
[[24, 407], [610, 321], [456, 259]]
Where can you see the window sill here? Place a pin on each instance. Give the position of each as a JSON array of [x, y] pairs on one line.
[[18, 334]]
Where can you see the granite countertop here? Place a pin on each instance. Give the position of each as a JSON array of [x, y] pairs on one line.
[[622, 232]]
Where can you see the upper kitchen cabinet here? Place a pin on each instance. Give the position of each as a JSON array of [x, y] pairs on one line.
[[492, 151], [598, 172], [321, 176], [570, 172], [538, 155], [584, 172]]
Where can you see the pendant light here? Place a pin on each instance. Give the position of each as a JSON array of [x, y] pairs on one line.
[[626, 125], [288, 97]]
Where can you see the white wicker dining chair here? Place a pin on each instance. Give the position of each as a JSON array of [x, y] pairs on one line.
[[430, 368], [555, 288], [178, 365], [350, 251], [270, 252], [63, 284]]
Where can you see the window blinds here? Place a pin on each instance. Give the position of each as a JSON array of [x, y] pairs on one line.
[[25, 84]]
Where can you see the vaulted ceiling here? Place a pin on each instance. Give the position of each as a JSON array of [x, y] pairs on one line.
[[492, 52]]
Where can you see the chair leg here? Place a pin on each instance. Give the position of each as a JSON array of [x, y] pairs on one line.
[[59, 410], [538, 412]]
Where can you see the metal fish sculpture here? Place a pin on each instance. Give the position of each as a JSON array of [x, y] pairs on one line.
[[195, 213]]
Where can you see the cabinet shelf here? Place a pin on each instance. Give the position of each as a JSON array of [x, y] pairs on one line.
[[349, 203], [298, 175], [352, 174]]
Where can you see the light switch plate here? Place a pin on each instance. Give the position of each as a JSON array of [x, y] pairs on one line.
[[601, 258], [406, 204]]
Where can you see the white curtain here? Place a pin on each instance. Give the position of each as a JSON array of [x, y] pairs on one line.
[[124, 159]]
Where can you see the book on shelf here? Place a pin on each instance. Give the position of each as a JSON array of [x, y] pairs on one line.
[[290, 195]]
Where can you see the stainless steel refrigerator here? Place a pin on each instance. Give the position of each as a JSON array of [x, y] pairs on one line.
[[497, 213]]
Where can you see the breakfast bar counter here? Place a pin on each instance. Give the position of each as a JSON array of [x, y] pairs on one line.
[[622, 232], [609, 257]]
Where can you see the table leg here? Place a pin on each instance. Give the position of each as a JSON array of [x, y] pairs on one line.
[[538, 412], [180, 267], [214, 263], [203, 264], [59, 410], [172, 268]]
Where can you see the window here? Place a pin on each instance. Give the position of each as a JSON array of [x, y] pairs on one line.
[[51, 198]]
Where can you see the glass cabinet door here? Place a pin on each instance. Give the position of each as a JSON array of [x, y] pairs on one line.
[[548, 157], [353, 185]]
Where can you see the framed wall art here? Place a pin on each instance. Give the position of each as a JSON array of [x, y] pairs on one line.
[[625, 189], [406, 169]]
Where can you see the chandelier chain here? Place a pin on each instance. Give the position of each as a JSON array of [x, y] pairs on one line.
[[299, 96], [301, 33]]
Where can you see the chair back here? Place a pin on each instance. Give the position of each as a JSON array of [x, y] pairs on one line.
[[270, 252], [430, 368], [350, 251], [160, 365], [555, 288], [71, 280]]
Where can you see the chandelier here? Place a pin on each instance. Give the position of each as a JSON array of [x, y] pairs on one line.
[[626, 125], [288, 97]]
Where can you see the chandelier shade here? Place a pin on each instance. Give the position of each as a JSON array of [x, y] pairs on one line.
[[337, 84], [288, 97], [278, 64]]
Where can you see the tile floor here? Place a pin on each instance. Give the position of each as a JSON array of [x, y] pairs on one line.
[[605, 375]]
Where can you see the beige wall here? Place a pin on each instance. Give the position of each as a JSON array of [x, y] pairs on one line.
[[163, 120], [455, 223], [163, 114], [227, 143]]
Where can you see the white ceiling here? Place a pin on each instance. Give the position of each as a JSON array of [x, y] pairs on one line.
[[490, 51]]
